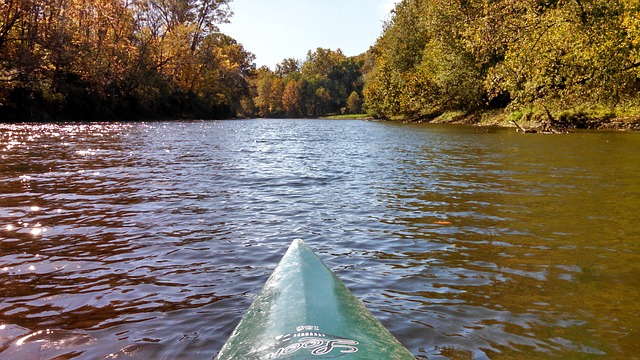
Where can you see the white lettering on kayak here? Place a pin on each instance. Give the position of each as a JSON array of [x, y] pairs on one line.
[[317, 347], [345, 346], [317, 344]]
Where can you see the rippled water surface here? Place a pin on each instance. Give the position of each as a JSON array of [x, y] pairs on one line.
[[149, 241]]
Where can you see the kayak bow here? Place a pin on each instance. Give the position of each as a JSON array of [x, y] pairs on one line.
[[305, 312]]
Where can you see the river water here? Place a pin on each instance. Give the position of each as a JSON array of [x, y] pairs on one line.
[[150, 240]]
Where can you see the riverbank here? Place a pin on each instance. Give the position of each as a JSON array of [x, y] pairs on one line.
[[348, 117], [542, 121]]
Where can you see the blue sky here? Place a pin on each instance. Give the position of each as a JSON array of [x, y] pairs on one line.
[[277, 29]]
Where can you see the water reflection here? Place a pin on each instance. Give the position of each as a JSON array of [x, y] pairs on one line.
[[149, 240], [504, 274]]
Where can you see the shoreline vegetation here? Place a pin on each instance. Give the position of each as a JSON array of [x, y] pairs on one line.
[[528, 122], [536, 65], [539, 122]]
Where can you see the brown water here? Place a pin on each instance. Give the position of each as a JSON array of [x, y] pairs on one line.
[[148, 241]]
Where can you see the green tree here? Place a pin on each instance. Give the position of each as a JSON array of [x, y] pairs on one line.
[[383, 90], [319, 85], [574, 53], [288, 67], [354, 103], [437, 55], [322, 101], [323, 67], [263, 84], [321, 62]]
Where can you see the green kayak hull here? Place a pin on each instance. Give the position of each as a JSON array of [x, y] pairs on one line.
[[305, 312]]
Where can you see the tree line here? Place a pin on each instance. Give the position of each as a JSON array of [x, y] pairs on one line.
[[326, 82], [88, 59], [101, 59], [149, 59], [468, 55]]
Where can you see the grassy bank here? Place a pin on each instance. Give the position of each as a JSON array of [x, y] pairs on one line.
[[348, 117], [541, 120]]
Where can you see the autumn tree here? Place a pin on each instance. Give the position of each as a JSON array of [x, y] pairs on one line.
[[90, 58], [292, 99], [269, 93]]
